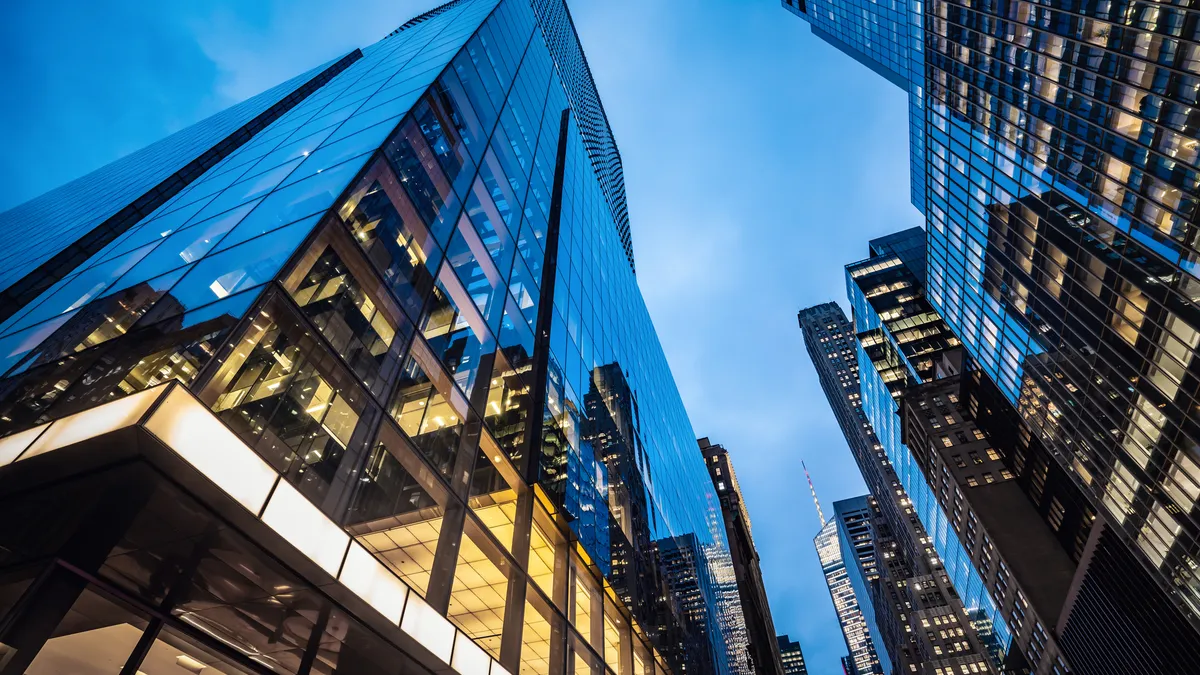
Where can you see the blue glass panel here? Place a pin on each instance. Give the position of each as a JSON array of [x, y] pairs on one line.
[[250, 264]]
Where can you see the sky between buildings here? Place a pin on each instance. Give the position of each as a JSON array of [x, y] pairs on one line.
[[758, 161]]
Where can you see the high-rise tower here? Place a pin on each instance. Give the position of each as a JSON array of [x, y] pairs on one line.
[[1055, 157], [762, 648], [350, 379], [918, 617]]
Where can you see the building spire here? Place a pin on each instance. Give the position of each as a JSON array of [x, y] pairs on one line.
[[813, 490]]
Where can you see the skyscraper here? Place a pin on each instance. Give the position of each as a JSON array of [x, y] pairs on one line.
[[793, 656], [351, 379], [845, 604], [856, 539], [918, 615], [762, 649], [1058, 172]]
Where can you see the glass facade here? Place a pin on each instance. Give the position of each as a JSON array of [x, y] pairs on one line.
[[899, 336], [1059, 183], [410, 297], [855, 539], [1059, 246], [849, 611], [919, 618]]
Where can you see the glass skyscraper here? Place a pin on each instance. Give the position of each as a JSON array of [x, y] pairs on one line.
[[850, 614], [1059, 180], [857, 544], [919, 623], [757, 636], [355, 377]]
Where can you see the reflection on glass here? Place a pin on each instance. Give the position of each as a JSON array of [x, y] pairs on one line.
[[250, 264], [174, 654], [428, 408], [456, 332], [95, 637], [359, 329], [175, 348], [290, 404], [386, 225]]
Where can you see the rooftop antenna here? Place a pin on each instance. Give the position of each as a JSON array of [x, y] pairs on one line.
[[813, 490]]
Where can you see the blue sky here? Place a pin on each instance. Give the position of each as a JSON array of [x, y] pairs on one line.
[[758, 161]]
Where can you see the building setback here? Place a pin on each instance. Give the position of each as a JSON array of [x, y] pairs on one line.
[[763, 650], [350, 379], [1054, 156], [920, 619]]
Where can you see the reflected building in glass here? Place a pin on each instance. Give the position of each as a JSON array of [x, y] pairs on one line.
[[759, 650], [355, 377], [1058, 172]]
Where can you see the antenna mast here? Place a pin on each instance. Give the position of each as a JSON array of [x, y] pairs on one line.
[[813, 490]]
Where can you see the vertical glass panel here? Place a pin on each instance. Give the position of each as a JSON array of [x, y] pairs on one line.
[[479, 595], [288, 400], [398, 508], [510, 403], [586, 605], [547, 555], [477, 271], [95, 637], [361, 327], [490, 222], [429, 408], [384, 222], [583, 660], [542, 639], [441, 129], [616, 638], [419, 171], [493, 496], [642, 663], [456, 331]]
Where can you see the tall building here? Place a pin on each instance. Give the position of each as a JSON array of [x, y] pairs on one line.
[[351, 378], [792, 656], [762, 655], [918, 616], [850, 616], [1055, 159], [856, 540]]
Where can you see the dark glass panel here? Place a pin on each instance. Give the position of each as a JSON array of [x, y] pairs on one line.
[[385, 224]]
